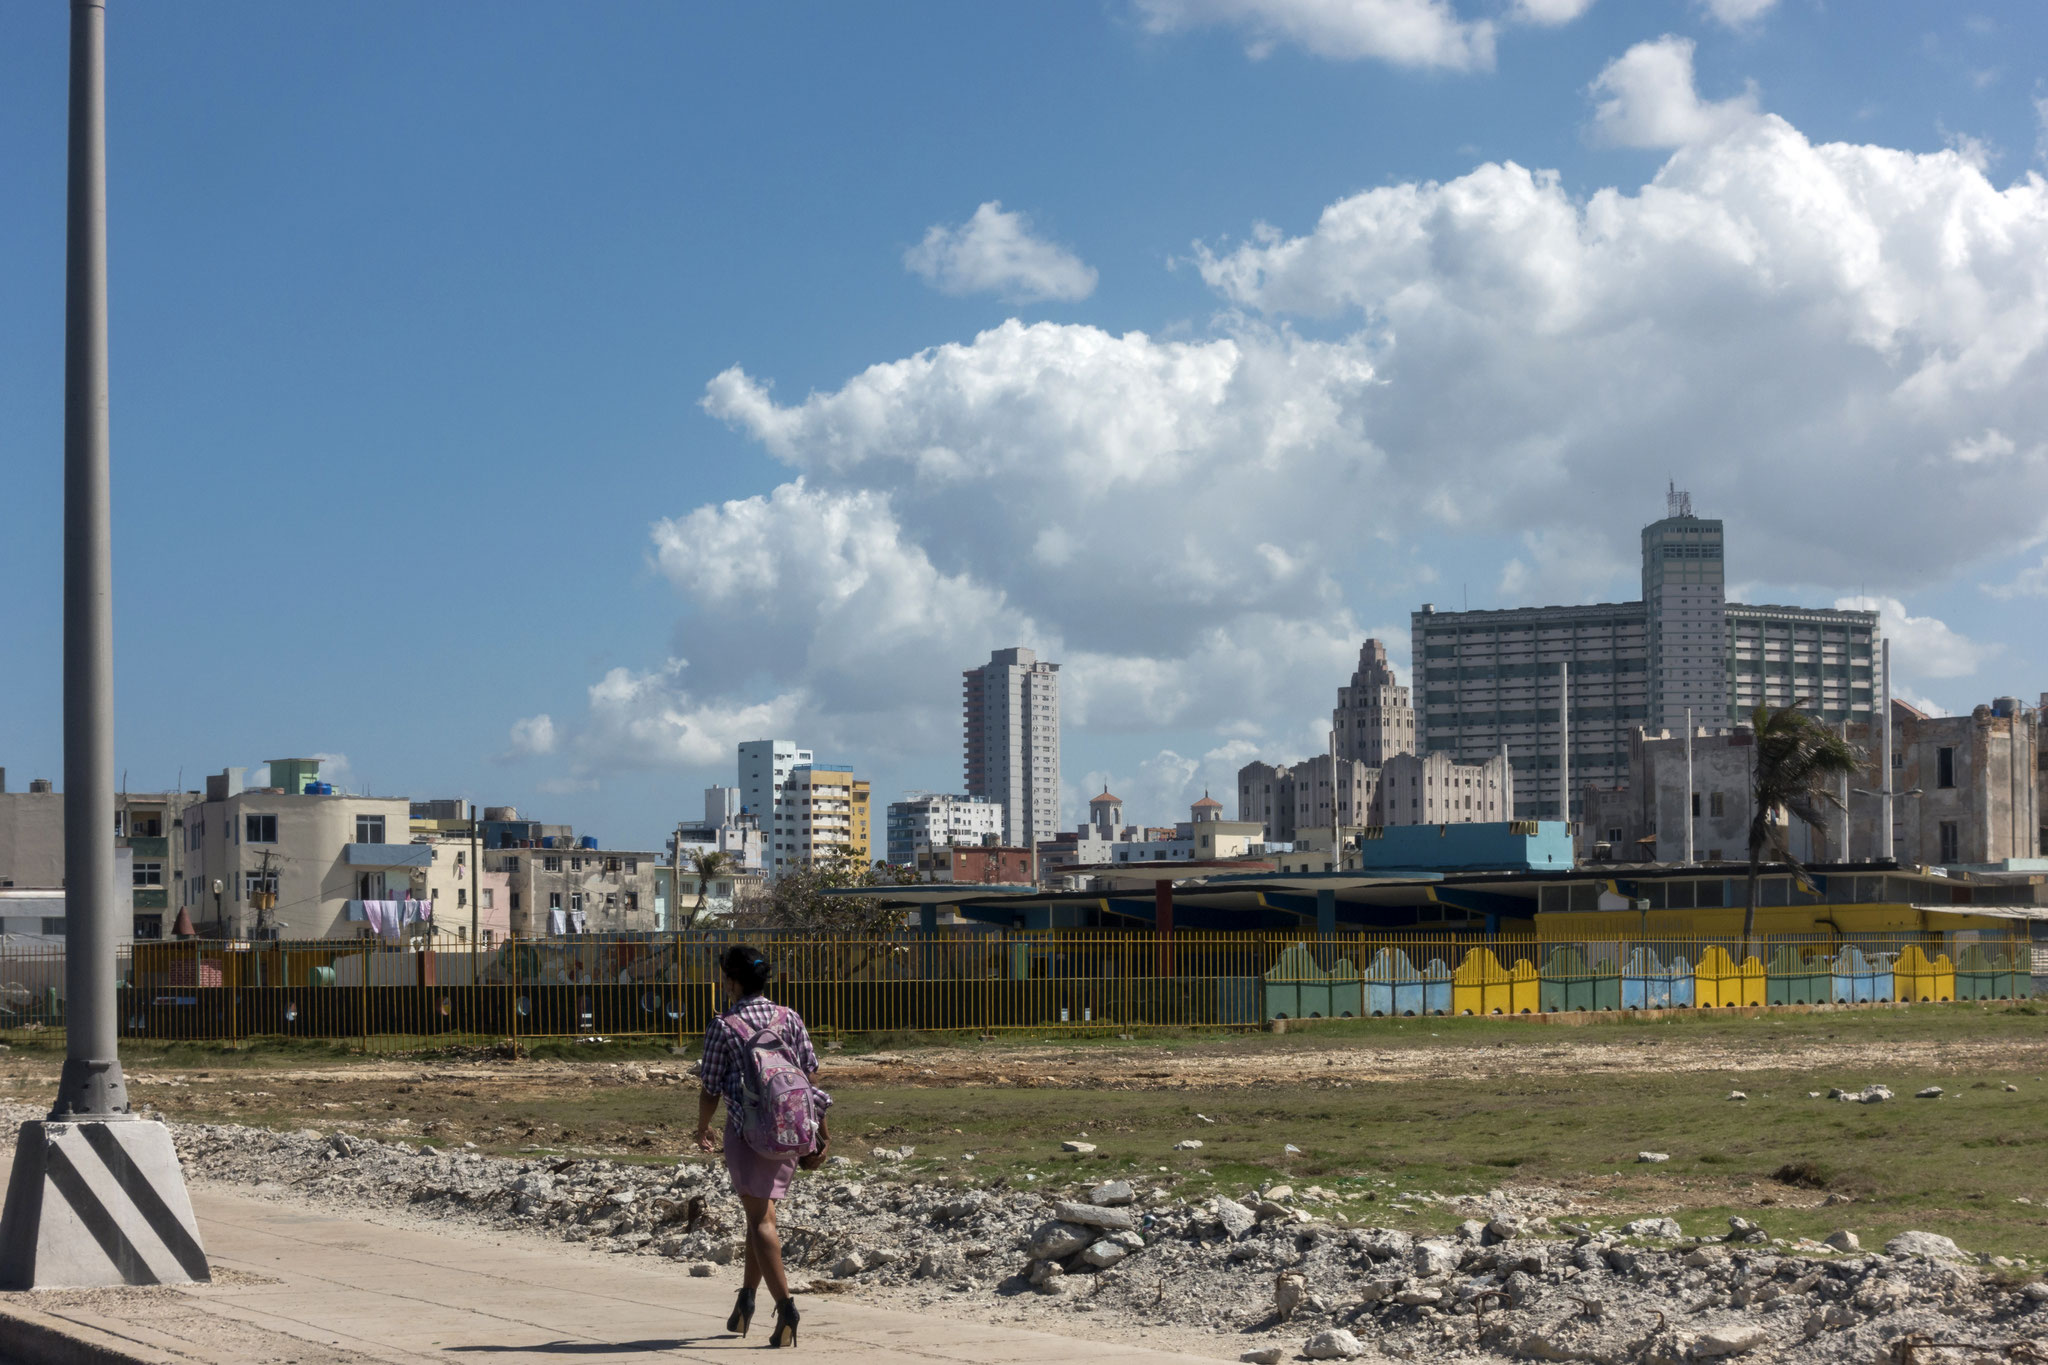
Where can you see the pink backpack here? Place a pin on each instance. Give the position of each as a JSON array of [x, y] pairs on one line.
[[778, 1104]]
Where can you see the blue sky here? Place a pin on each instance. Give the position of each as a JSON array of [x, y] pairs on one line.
[[461, 361]]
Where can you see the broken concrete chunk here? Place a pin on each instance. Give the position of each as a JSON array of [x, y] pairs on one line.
[[1652, 1157], [1332, 1343], [1234, 1217], [1733, 1340], [1112, 1194], [1094, 1216], [1104, 1254], [1056, 1240], [1929, 1244], [1656, 1229]]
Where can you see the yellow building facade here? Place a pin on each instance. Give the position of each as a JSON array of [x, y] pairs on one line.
[[834, 813]]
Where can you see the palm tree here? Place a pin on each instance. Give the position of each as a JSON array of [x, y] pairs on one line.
[[706, 863], [1799, 762]]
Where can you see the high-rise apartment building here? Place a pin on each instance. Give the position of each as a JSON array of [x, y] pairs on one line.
[[1685, 600], [1492, 679], [832, 812], [766, 793], [1011, 707]]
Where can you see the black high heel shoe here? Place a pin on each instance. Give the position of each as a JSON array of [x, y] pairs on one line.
[[786, 1319], [742, 1313]]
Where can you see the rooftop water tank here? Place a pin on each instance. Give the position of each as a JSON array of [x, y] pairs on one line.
[[590, 841], [547, 841]]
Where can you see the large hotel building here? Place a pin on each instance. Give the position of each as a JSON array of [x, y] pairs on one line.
[[1488, 679]]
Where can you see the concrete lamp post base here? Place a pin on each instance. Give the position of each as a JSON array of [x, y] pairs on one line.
[[94, 1203]]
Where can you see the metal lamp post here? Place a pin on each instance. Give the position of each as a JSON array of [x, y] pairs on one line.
[[95, 1197]]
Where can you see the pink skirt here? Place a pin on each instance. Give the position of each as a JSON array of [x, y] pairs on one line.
[[761, 1177]]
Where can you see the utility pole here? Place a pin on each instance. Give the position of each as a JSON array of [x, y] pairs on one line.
[[1889, 842], [1564, 746], [96, 1197], [675, 881], [1689, 797], [1336, 826], [475, 906]]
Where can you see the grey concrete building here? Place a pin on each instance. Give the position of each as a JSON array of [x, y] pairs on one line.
[[145, 825], [1265, 794], [1011, 742], [1377, 777], [1969, 787], [1644, 818], [1491, 678], [1373, 719], [573, 889]]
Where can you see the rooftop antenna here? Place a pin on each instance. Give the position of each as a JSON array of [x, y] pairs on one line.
[[1677, 503]]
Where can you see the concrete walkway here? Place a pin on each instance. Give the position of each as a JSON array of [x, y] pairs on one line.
[[295, 1287]]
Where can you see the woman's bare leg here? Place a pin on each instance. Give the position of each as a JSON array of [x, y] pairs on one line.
[[764, 1247]]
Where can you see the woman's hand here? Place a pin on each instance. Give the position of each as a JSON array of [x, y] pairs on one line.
[[704, 1142]]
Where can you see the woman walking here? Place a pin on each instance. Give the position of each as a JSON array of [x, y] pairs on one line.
[[758, 1059]]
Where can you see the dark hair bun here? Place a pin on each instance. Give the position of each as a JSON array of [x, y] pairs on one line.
[[747, 968]]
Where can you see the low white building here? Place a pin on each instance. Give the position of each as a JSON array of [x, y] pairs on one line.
[[934, 820]]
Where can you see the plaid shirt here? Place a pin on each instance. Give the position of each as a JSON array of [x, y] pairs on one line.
[[720, 1072]]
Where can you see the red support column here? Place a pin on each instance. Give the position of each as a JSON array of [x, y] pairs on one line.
[[1162, 920]]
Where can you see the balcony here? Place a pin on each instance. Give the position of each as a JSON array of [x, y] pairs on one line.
[[146, 846], [388, 855]]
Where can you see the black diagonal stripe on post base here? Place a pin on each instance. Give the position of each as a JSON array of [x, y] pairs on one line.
[[162, 1221], [98, 1221]]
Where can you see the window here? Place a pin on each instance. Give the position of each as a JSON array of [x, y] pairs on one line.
[[259, 884], [262, 829], [490, 937], [149, 874], [369, 829], [370, 887], [511, 865], [53, 927], [632, 900], [1951, 839], [515, 900], [461, 898], [551, 864], [576, 900], [611, 900], [1944, 767], [554, 900], [632, 866], [486, 896], [1695, 805], [575, 864], [1719, 804]]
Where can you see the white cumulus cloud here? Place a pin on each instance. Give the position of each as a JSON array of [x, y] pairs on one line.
[[1737, 14], [1922, 646], [1549, 13], [1192, 526], [994, 252], [1647, 99], [1416, 33], [533, 735], [2031, 581]]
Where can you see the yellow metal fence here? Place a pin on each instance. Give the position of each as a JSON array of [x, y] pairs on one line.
[[396, 994]]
